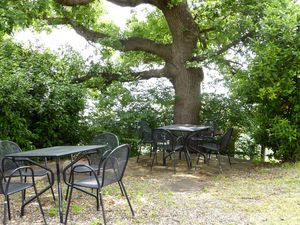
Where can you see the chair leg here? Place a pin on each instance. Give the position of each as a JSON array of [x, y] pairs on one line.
[[123, 187], [97, 198], [229, 160], [24, 191], [68, 206], [51, 187], [68, 187], [164, 157], [219, 160], [102, 206], [174, 161], [39, 202], [139, 152], [8, 208], [4, 206], [154, 156]]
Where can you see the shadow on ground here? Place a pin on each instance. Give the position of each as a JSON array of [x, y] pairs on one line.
[[185, 179]]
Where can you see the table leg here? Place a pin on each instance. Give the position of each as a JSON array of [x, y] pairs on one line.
[[59, 190], [188, 158]]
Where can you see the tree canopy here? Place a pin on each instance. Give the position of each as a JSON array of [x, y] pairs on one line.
[[174, 40], [254, 42]]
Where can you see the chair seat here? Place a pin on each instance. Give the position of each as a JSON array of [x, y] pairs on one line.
[[16, 187], [88, 182], [83, 169], [211, 147], [168, 148], [27, 173]]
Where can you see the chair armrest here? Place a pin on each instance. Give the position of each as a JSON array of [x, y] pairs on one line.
[[41, 166], [73, 170], [19, 169], [5, 158]]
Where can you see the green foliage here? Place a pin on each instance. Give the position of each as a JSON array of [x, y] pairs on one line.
[[15, 15], [38, 105], [272, 83], [119, 108], [223, 112]]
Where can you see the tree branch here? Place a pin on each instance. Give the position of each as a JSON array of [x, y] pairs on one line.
[[232, 44], [73, 2], [223, 49], [123, 3], [130, 44], [132, 3], [110, 77]]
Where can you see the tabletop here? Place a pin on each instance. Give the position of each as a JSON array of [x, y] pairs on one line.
[[56, 151], [185, 127]]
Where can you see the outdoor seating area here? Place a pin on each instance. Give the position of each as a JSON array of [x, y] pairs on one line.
[[160, 112], [105, 164], [148, 191], [186, 139], [95, 166]]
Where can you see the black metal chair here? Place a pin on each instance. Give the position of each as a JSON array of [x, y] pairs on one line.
[[218, 146], [7, 147], [195, 139], [110, 140], [145, 136], [169, 143], [111, 171], [9, 186]]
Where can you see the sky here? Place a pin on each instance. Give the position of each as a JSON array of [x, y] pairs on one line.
[[65, 36]]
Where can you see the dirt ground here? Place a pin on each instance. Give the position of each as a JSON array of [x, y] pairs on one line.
[[201, 195]]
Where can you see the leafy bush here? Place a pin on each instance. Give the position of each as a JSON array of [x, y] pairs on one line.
[[39, 106]]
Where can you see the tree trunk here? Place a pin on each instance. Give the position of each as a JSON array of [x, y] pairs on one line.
[[187, 96]]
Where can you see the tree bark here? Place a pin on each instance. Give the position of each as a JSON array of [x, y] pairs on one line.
[[187, 96]]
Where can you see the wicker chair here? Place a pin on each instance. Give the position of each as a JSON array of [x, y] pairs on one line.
[[111, 171]]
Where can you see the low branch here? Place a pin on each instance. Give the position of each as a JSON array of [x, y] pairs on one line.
[[131, 3], [110, 77], [73, 2], [123, 3]]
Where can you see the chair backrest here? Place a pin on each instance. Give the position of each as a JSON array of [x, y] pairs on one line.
[[7, 147], [109, 139], [144, 131], [113, 167], [164, 139], [226, 139]]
